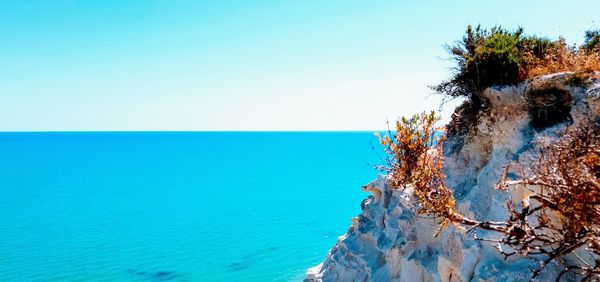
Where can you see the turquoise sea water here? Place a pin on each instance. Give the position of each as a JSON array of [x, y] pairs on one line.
[[176, 206]]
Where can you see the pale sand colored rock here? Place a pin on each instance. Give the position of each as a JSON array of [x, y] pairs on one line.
[[388, 241]]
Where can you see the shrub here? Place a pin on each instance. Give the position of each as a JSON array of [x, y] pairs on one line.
[[495, 60], [561, 58], [501, 57], [415, 160], [592, 41], [485, 58], [564, 182]]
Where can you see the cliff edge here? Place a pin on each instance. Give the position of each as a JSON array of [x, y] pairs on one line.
[[390, 241]]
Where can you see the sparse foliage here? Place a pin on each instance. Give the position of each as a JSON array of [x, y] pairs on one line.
[[561, 213], [415, 160]]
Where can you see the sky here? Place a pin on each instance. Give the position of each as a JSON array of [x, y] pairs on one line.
[[243, 65]]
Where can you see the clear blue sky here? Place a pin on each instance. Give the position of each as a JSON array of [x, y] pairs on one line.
[[241, 65]]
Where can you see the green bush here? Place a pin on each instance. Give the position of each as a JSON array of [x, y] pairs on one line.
[[592, 41], [496, 60], [499, 56], [490, 57]]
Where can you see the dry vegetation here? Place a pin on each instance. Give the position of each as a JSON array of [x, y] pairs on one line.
[[562, 210], [559, 57], [559, 216], [415, 161]]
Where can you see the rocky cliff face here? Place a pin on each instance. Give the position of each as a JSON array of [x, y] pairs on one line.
[[389, 241]]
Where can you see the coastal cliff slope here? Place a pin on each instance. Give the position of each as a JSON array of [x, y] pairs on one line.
[[390, 241]]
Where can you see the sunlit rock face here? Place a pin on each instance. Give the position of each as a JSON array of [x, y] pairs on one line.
[[389, 241]]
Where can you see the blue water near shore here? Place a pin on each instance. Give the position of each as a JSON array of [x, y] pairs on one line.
[[176, 206]]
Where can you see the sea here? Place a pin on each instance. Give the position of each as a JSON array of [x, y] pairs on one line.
[[177, 206]]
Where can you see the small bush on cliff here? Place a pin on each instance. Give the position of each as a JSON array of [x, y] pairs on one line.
[[592, 41], [562, 58], [415, 160], [490, 57]]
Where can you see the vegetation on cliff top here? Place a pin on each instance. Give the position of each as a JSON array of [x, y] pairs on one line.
[[592, 41], [561, 213], [500, 56]]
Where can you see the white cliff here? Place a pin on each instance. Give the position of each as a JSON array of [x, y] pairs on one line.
[[389, 241]]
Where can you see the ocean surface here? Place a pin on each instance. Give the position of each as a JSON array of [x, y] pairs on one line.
[[177, 206]]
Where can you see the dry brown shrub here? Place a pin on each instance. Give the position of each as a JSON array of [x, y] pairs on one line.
[[415, 160], [560, 58], [564, 182]]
